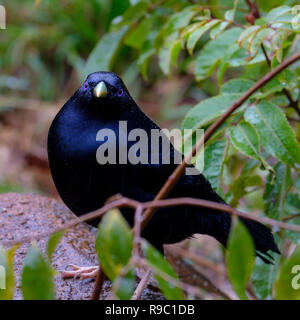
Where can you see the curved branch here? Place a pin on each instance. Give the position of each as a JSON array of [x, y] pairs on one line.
[[129, 203], [175, 176]]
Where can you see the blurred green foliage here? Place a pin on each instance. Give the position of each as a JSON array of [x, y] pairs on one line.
[[45, 40]]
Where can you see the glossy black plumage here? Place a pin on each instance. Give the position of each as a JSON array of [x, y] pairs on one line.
[[85, 185]]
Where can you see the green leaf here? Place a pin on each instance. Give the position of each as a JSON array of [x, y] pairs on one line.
[[240, 257], [236, 86], [105, 52], [275, 192], [213, 163], [133, 13], [256, 43], [185, 33], [137, 36], [240, 185], [123, 286], [159, 264], [245, 139], [6, 265], [247, 33], [165, 53], [274, 14], [53, 242], [114, 245], [212, 53], [264, 276], [174, 52], [181, 19], [37, 277], [208, 110], [292, 205], [144, 58], [276, 135], [287, 286], [218, 29], [225, 61], [288, 79], [198, 33]]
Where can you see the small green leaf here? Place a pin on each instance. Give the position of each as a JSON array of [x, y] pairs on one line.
[[185, 33], [114, 243], [245, 139], [198, 33], [158, 263], [240, 257], [133, 13], [53, 242], [213, 163], [276, 191], [288, 79], [277, 12], [181, 19], [236, 86], [103, 55], [258, 40], [208, 110], [225, 61], [287, 286], [239, 187], [276, 135], [291, 208], [229, 15], [144, 58], [37, 277], [137, 36], [175, 50], [264, 275], [247, 33], [218, 29], [6, 265], [123, 286], [212, 53], [165, 53]]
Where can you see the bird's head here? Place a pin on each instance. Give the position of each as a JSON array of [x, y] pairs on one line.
[[105, 92]]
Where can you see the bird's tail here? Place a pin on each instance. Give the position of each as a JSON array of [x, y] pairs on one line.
[[263, 239], [218, 225]]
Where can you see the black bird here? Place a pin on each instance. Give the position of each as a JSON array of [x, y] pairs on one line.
[[84, 185]]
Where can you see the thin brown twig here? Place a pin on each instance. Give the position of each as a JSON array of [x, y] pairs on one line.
[[192, 290], [137, 228], [141, 286], [293, 119], [100, 279], [293, 104], [291, 217], [129, 203]]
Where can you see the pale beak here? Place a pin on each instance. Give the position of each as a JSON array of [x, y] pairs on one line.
[[100, 90]]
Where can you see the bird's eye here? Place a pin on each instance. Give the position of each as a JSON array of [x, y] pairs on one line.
[[85, 85], [120, 92]]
